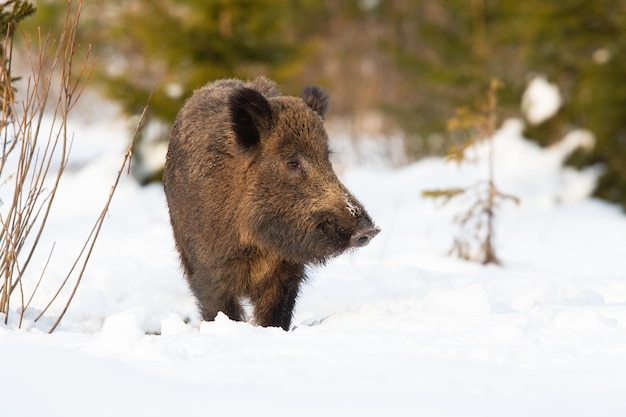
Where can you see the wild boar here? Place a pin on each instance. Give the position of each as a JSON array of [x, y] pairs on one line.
[[253, 198]]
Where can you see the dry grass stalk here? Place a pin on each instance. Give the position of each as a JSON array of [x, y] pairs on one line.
[[85, 253], [34, 158], [31, 154]]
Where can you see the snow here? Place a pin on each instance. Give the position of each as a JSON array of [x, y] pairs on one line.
[[397, 327], [541, 100]]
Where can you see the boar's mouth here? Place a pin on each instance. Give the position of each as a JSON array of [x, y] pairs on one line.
[[336, 237]]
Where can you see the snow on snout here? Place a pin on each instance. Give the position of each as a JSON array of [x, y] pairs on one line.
[[352, 208]]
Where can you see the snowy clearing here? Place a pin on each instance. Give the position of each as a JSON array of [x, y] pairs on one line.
[[396, 328]]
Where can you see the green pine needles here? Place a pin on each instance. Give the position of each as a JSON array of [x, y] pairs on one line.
[[11, 13], [475, 240]]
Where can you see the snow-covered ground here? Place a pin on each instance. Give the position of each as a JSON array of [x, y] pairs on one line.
[[396, 328]]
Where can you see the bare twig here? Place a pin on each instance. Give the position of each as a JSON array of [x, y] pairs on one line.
[[23, 218], [35, 150], [91, 240], [43, 272]]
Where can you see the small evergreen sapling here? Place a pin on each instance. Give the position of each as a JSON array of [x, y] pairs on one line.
[[475, 240]]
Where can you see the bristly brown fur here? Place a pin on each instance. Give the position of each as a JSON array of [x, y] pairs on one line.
[[253, 198]]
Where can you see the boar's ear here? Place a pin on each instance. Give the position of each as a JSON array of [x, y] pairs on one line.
[[251, 116], [316, 98]]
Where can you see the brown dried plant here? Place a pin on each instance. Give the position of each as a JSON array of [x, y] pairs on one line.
[[475, 240], [34, 158]]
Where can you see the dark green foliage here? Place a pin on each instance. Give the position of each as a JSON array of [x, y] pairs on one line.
[[582, 46], [11, 13], [452, 47], [185, 44]]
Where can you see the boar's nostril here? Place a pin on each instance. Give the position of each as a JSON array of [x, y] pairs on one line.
[[363, 237]]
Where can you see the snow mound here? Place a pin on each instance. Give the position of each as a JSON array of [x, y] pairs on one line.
[[541, 100]]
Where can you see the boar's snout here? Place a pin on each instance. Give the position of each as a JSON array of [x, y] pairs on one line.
[[366, 232]]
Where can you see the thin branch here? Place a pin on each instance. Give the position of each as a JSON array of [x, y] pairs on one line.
[[96, 230], [43, 272], [25, 216]]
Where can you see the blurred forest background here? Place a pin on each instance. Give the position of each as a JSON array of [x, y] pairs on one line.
[[390, 65]]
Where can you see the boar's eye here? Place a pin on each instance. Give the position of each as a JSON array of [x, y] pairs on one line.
[[294, 165]]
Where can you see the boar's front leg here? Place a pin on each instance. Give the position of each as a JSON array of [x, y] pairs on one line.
[[214, 296], [275, 297]]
